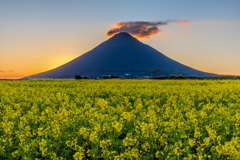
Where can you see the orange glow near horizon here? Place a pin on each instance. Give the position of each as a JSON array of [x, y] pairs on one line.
[[34, 66], [39, 55]]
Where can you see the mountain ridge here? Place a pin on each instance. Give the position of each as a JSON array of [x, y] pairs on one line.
[[119, 55]]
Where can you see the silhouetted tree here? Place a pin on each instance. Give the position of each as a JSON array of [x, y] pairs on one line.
[[160, 77], [172, 76], [155, 71], [110, 77], [78, 77], [181, 76], [81, 77]]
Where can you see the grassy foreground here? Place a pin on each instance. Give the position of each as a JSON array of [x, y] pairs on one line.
[[120, 119]]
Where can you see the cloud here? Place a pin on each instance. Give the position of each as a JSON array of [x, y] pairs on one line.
[[2, 71], [143, 29], [183, 23]]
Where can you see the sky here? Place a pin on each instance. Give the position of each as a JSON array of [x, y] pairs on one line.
[[39, 35]]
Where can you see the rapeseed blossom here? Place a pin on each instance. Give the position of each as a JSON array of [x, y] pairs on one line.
[[120, 119]]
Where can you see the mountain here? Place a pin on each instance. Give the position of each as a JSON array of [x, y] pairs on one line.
[[121, 55]]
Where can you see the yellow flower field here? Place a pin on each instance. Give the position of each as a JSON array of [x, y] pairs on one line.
[[120, 119]]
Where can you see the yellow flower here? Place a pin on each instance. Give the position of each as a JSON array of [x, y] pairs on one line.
[[78, 156], [191, 142], [117, 125], [197, 134], [93, 137], [206, 141]]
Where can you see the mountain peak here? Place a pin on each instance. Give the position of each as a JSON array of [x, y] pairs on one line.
[[123, 37], [123, 34]]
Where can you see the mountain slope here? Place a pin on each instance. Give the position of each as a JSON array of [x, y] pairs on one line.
[[119, 55]]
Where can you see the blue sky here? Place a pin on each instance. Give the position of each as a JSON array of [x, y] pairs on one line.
[[39, 35]]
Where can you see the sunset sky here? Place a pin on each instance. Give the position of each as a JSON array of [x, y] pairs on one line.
[[38, 35]]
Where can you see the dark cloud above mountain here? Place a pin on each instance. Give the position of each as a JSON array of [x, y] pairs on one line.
[[142, 29]]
